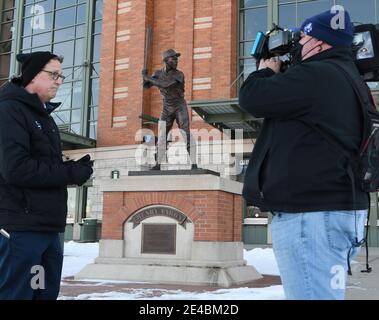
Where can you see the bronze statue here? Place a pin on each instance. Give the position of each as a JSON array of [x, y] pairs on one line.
[[170, 82]]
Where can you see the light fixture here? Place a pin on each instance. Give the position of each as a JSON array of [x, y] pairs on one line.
[[115, 174]]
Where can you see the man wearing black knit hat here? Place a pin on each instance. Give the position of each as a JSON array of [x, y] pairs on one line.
[[295, 172], [33, 181]]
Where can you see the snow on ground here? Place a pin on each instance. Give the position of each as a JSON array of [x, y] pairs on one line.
[[78, 255], [268, 293], [262, 259]]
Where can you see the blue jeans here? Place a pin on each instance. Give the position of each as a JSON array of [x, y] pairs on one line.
[[311, 251], [19, 255]]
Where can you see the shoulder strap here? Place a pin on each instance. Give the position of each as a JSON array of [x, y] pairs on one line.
[[360, 87]]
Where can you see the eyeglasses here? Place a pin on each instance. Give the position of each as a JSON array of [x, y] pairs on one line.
[[55, 75]]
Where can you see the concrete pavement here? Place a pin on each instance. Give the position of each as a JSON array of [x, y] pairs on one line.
[[364, 286]]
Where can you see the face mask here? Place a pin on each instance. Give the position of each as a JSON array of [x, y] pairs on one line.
[[295, 53]]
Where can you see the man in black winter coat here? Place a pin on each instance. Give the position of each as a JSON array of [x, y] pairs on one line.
[[33, 181], [295, 172]]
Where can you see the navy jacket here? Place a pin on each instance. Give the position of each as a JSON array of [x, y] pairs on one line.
[[292, 167], [33, 177]]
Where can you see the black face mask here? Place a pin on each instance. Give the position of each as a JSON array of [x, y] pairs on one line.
[[295, 53]]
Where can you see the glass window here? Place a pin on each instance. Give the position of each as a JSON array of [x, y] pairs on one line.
[[360, 11], [65, 49], [95, 70], [39, 8], [64, 3], [311, 8], [4, 66], [96, 47], [81, 14], [77, 94], [75, 128], [95, 92], [251, 21], [71, 204], [99, 9], [252, 3], [255, 20], [93, 113], [6, 16], [79, 51], [65, 17], [41, 39], [5, 31], [27, 42], [65, 34], [41, 23], [246, 48], [248, 65], [287, 16], [61, 26], [80, 29], [75, 115], [98, 26], [64, 116], [92, 129], [27, 27], [7, 4], [6, 37]]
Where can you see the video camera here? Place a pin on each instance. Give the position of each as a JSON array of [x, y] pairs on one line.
[[366, 50], [275, 45], [365, 47]]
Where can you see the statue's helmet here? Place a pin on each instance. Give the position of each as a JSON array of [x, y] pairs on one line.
[[170, 53]]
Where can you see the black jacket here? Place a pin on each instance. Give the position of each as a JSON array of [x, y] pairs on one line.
[[293, 168], [33, 177]]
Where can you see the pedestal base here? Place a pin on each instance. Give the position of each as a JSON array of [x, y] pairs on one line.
[[124, 269], [207, 263]]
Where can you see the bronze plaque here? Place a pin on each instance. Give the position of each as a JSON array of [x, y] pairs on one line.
[[159, 238]]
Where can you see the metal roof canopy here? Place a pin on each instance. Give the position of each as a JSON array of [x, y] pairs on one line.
[[227, 114], [73, 141]]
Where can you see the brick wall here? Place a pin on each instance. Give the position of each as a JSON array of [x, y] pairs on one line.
[[217, 215], [203, 31]]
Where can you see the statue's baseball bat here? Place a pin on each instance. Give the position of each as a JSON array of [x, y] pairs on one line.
[[148, 40]]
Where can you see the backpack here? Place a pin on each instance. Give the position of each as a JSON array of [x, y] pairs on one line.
[[365, 165], [362, 168]]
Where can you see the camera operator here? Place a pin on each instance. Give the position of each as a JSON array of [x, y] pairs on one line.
[[294, 172]]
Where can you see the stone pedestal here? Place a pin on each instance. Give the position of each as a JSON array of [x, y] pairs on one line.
[[179, 229]]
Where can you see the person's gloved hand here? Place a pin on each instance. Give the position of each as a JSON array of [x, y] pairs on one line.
[[86, 160], [79, 172]]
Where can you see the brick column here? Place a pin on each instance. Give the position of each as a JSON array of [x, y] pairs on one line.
[[217, 215], [123, 53]]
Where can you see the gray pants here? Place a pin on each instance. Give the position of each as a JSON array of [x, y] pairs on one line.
[[166, 121]]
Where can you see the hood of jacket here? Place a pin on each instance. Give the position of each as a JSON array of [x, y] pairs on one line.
[[13, 90]]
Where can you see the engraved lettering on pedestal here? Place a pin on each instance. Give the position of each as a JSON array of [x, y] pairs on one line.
[[159, 238], [159, 211]]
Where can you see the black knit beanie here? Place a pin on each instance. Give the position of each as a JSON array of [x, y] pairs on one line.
[[32, 64]]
